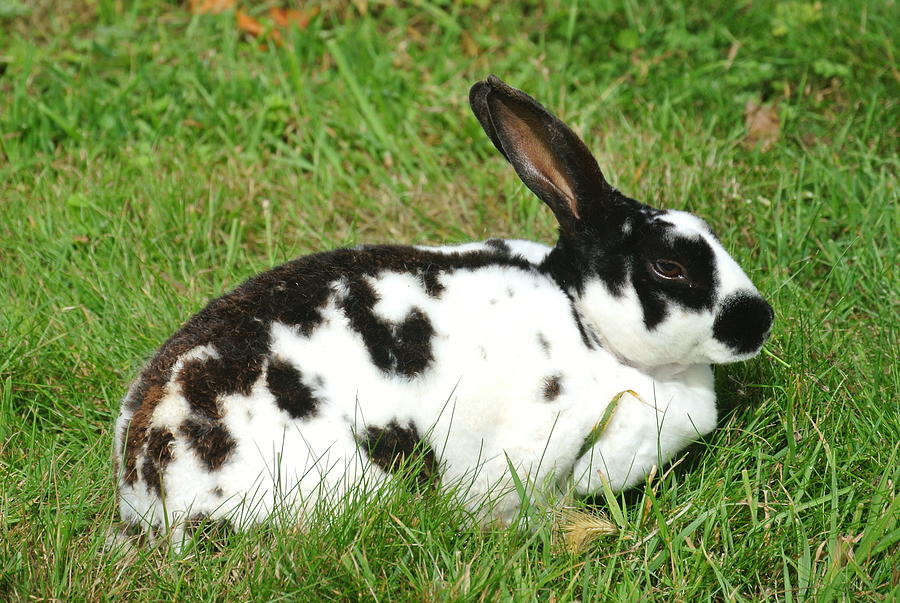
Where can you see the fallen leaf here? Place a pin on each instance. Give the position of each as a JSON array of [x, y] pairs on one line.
[[293, 17], [763, 126], [211, 7], [248, 24]]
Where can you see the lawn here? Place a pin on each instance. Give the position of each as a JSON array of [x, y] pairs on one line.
[[151, 158]]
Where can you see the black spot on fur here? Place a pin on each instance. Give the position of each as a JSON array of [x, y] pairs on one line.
[[412, 349], [552, 387], [217, 492], [585, 338], [393, 447], [159, 454], [403, 348], [743, 322], [291, 394], [499, 245], [201, 383], [430, 278], [544, 343], [210, 440]]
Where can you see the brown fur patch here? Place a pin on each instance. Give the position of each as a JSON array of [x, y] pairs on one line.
[[201, 384], [552, 387], [136, 431], [159, 454], [211, 441]]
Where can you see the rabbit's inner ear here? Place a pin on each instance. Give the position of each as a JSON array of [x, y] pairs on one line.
[[529, 137], [526, 142]]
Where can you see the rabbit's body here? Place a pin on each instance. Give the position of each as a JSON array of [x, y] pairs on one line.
[[335, 367], [484, 379]]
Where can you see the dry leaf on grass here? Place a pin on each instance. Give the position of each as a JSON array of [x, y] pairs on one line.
[[248, 24], [763, 126], [282, 18], [211, 7], [293, 17]]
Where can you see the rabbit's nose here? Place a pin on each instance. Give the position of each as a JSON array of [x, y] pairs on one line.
[[744, 321]]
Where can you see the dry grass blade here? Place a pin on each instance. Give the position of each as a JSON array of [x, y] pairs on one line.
[[581, 529]]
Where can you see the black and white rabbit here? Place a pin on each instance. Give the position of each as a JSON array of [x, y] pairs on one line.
[[323, 373]]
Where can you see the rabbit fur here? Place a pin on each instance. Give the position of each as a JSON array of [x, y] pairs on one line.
[[328, 372]]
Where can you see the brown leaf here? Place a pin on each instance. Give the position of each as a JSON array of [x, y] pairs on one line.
[[292, 17], [211, 7], [763, 126], [248, 24]]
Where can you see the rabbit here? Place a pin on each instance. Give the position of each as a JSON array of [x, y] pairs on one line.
[[335, 370]]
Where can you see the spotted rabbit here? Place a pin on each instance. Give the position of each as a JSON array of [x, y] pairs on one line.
[[324, 373]]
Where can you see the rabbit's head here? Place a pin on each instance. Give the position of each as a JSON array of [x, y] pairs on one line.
[[655, 287]]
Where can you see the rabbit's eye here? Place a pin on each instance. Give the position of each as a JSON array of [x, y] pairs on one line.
[[668, 269]]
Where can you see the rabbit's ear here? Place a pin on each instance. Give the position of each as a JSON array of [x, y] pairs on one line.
[[548, 156]]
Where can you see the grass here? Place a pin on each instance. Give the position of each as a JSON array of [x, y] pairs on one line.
[[150, 160]]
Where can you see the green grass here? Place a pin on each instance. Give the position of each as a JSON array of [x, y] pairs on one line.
[[150, 160]]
